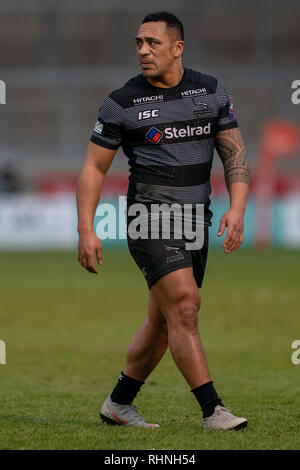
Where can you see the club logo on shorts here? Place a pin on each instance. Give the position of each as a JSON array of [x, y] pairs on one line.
[[154, 135], [172, 248], [176, 255]]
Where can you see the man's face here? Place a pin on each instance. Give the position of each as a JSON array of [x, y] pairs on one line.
[[157, 48]]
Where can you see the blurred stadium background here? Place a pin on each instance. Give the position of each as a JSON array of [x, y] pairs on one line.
[[59, 60]]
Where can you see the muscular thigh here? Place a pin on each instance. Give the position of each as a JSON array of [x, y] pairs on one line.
[[176, 289]]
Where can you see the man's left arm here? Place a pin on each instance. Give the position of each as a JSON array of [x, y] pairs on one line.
[[230, 146]]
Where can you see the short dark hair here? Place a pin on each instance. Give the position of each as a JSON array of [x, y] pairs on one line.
[[171, 21]]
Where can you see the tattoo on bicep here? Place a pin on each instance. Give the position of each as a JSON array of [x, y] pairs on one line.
[[230, 147]]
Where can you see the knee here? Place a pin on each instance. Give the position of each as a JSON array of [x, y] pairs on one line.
[[188, 301], [188, 317], [185, 311]]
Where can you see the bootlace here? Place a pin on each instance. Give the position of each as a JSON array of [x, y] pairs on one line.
[[134, 407], [222, 410]]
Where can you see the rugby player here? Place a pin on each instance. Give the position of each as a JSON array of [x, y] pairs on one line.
[[168, 120]]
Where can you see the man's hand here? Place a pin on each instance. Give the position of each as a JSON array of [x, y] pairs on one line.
[[89, 186], [89, 245], [230, 146], [234, 221]]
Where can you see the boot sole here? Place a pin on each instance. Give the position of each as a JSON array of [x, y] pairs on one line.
[[109, 421], [241, 426]]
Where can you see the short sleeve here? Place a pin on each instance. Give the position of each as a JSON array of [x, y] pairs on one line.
[[108, 127], [226, 117]]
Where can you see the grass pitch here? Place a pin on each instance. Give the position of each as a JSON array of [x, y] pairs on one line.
[[66, 333]]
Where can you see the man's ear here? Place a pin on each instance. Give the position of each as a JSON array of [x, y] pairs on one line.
[[179, 46]]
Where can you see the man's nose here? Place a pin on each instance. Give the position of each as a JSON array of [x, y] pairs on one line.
[[144, 49]]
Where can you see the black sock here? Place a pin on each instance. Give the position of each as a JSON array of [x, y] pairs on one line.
[[126, 390], [208, 398]]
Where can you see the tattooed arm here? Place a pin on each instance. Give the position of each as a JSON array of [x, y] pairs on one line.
[[231, 149]]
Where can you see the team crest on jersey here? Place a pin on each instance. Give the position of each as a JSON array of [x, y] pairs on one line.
[[98, 127], [204, 110], [154, 135]]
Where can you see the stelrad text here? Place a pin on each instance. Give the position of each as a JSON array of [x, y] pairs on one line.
[[188, 131]]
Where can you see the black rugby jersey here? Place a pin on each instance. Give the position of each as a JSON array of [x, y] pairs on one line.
[[167, 135]]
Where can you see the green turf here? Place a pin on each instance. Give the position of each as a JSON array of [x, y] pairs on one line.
[[67, 331]]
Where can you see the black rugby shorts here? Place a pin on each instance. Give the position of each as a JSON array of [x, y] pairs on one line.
[[155, 258]]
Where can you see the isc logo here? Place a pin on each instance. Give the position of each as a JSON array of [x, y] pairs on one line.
[[149, 113]]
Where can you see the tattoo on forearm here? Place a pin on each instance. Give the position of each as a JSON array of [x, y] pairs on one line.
[[230, 147]]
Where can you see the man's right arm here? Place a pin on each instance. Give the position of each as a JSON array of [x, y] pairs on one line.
[[89, 188]]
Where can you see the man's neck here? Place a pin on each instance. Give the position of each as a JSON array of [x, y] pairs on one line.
[[169, 80]]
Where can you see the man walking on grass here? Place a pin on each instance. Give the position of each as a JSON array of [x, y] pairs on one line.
[[168, 120]]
